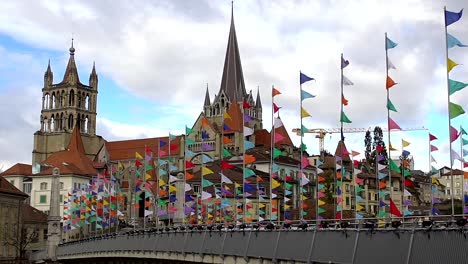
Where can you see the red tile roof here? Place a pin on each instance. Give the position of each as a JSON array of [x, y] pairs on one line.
[[18, 169], [32, 215], [125, 149], [8, 188], [73, 160]]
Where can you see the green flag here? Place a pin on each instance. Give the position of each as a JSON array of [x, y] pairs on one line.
[[206, 183], [321, 210], [359, 189], [393, 166], [188, 131], [382, 213], [406, 173], [303, 147], [189, 141], [344, 118], [465, 142], [463, 131], [304, 129], [161, 202], [276, 153], [390, 106], [288, 185], [226, 153], [455, 110], [455, 86]]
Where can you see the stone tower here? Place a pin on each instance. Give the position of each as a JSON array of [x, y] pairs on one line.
[[65, 105]]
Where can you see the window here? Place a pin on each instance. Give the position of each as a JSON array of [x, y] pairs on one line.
[[43, 186], [347, 187], [27, 187], [347, 201], [196, 188], [61, 198], [457, 184], [43, 199], [61, 185]]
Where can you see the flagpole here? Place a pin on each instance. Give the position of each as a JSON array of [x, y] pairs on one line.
[[168, 179], [301, 153], [272, 135], [144, 193], [223, 195], [201, 178], [353, 178], [185, 176], [449, 120], [243, 168], [341, 145], [430, 173], [157, 184], [377, 183], [402, 165], [389, 154], [462, 176]]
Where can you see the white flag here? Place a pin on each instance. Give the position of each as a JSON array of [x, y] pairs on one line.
[[357, 171], [390, 64], [273, 195], [172, 178], [248, 131], [119, 213], [188, 187], [433, 160], [381, 167], [407, 193], [260, 219], [225, 179], [206, 195], [286, 199], [455, 156], [148, 212], [278, 123], [319, 171], [347, 81], [304, 180], [338, 166]]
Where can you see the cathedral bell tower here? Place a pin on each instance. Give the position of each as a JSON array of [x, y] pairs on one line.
[[65, 105]]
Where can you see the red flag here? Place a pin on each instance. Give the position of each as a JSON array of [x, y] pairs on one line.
[[343, 100], [390, 82], [246, 105], [274, 210], [465, 164], [432, 137], [356, 163], [394, 210], [433, 148], [379, 149], [453, 134], [392, 124], [225, 165], [275, 108], [138, 163], [173, 147], [148, 150], [275, 92], [288, 178], [188, 164], [408, 183]]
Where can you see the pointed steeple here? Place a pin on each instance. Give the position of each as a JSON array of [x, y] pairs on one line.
[[93, 77], [258, 103], [48, 76], [207, 97], [71, 73], [232, 81]]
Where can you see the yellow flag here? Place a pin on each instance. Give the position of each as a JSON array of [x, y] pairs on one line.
[[226, 116], [404, 143], [304, 113], [120, 165], [162, 182], [381, 223], [450, 64], [286, 206], [275, 183], [320, 202], [210, 215], [148, 176], [392, 148], [206, 171], [359, 207], [88, 209], [172, 189], [82, 217], [435, 181], [261, 205], [304, 198], [138, 156], [227, 187], [237, 185]]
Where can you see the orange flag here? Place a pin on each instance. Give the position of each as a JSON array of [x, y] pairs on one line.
[[249, 159], [188, 176], [343, 100], [275, 92], [321, 179], [390, 82], [382, 185], [226, 140], [205, 122]]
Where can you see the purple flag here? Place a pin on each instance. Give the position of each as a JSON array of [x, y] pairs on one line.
[[226, 127], [466, 209], [435, 200], [161, 212], [247, 118], [206, 147], [344, 63], [380, 157], [188, 210], [407, 203], [147, 157]]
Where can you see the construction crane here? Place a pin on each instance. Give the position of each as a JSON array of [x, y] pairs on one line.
[[321, 132]]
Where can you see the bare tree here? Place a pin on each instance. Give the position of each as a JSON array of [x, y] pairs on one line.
[[20, 241]]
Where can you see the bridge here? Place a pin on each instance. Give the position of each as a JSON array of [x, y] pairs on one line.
[[301, 243]]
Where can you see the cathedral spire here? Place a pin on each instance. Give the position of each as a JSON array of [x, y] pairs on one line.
[[93, 77], [232, 82], [207, 97], [48, 76], [71, 73], [258, 103]]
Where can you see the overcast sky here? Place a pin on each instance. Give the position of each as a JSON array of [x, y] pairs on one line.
[[154, 59]]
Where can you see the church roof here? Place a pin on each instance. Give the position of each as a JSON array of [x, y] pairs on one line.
[[125, 149], [232, 82], [8, 188], [71, 68], [73, 160]]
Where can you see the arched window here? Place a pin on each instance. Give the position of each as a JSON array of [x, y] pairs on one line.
[[46, 101], [46, 125], [53, 100], [86, 125], [43, 186], [62, 99], [87, 101], [52, 124], [71, 98], [70, 121]]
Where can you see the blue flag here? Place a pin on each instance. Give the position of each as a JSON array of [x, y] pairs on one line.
[[453, 41], [162, 143], [344, 63], [305, 95], [390, 44], [452, 17], [304, 78]]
